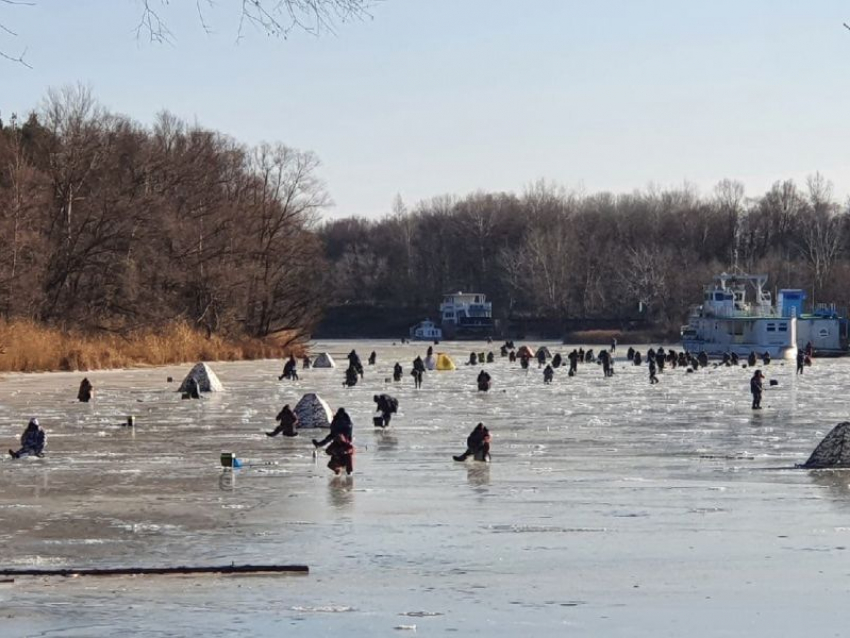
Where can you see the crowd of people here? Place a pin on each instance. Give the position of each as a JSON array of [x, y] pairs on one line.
[[340, 439]]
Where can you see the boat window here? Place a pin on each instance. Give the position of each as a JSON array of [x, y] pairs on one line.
[[771, 327], [718, 296], [783, 327]]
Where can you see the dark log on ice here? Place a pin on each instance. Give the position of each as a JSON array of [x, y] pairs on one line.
[[148, 571], [833, 451]]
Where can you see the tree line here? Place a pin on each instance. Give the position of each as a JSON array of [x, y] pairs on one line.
[[109, 225], [564, 256]]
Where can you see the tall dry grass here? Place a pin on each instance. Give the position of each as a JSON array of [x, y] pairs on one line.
[[29, 347]]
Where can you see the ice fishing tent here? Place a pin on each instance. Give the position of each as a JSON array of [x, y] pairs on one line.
[[834, 450], [313, 412], [444, 362], [525, 352], [324, 360], [545, 351], [204, 377]]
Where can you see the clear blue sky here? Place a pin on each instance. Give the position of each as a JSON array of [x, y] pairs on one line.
[[451, 96]]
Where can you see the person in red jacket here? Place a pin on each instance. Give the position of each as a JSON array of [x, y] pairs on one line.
[[341, 452]]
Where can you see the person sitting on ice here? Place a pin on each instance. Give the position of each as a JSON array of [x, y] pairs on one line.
[[33, 441], [484, 381], [523, 362], [351, 377], [387, 406], [290, 369], [765, 358], [490, 357], [477, 445], [373, 358], [193, 390], [751, 359], [548, 374], [341, 452], [306, 362], [84, 394], [397, 372], [473, 359], [340, 424], [288, 423]]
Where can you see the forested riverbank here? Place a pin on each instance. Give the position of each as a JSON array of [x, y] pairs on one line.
[[111, 229]]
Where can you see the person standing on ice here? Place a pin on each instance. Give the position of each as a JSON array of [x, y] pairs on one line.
[[341, 424], [652, 369], [290, 369], [86, 391], [548, 374], [757, 389], [397, 372], [484, 381], [33, 441], [801, 361], [477, 445]]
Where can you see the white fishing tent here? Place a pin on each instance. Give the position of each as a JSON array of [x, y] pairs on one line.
[[313, 412], [324, 360], [205, 378]]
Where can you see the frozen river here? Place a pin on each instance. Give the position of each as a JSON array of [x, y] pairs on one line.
[[611, 508]]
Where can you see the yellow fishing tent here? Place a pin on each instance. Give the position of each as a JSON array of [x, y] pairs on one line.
[[444, 362]]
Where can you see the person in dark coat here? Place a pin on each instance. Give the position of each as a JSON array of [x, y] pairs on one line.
[[652, 369], [288, 423], [637, 359], [574, 358], [290, 369], [490, 357], [33, 441], [473, 359], [341, 452], [354, 362], [512, 356], [541, 358], [757, 388], [630, 354], [86, 391], [548, 374], [477, 445], [373, 358], [340, 424], [193, 390], [765, 358], [751, 359], [801, 361], [484, 381], [387, 406], [397, 372], [351, 377], [306, 362], [523, 362], [417, 377], [557, 360]]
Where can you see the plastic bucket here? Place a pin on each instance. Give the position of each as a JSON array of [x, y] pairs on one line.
[[228, 459], [378, 421]]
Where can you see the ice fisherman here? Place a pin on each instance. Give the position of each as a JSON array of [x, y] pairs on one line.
[[387, 406], [397, 372], [341, 452], [477, 445], [757, 388], [354, 361], [193, 390], [33, 441], [484, 381], [548, 374], [86, 391], [652, 369], [290, 369], [340, 424], [288, 423], [373, 358], [351, 377], [801, 361]]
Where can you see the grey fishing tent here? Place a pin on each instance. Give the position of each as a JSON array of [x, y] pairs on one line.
[[204, 377], [324, 360], [834, 450], [313, 412]]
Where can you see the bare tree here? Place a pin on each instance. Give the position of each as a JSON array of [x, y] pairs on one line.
[[278, 18]]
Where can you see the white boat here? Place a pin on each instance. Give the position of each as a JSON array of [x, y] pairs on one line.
[[426, 331], [824, 330], [737, 315], [466, 314]]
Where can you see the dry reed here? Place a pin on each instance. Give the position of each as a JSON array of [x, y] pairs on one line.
[[29, 347]]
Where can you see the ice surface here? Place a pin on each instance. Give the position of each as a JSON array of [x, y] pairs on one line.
[[611, 508]]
